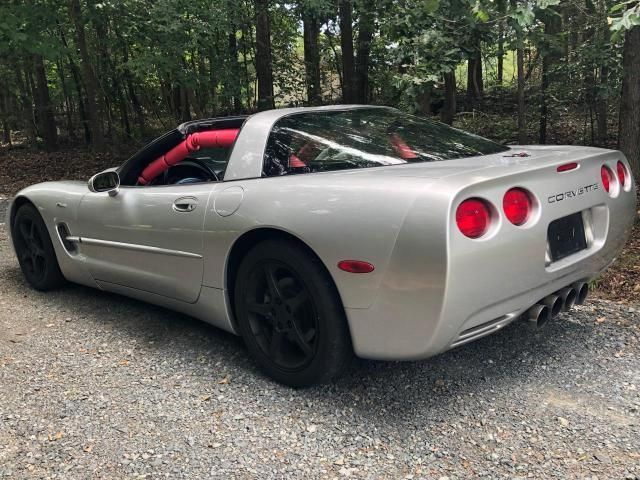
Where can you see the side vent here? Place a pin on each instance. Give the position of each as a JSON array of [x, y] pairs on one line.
[[63, 232]]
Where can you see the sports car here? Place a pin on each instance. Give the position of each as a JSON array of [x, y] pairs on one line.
[[320, 233]]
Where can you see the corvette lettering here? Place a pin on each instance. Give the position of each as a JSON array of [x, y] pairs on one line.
[[572, 193]]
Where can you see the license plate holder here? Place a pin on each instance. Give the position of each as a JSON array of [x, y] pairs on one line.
[[566, 236]]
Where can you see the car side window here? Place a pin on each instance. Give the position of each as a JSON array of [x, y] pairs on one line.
[[197, 158]]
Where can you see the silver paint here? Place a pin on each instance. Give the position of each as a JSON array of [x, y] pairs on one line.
[[432, 288]]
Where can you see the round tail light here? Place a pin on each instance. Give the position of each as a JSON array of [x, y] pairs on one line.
[[473, 217], [607, 177], [622, 173], [516, 204]]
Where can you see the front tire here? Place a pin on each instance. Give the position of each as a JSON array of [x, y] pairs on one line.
[[35, 251], [290, 315]]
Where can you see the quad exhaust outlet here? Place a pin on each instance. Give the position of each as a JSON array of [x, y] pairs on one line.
[[582, 290], [561, 301], [538, 315]]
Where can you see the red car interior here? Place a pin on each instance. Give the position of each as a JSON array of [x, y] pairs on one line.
[[210, 139], [401, 147]]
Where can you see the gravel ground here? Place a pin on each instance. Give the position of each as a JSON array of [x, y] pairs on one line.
[[98, 386]]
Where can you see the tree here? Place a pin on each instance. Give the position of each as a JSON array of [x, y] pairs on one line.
[[366, 25], [94, 106], [629, 135], [346, 44], [44, 108], [311, 34], [263, 56], [475, 83], [550, 53]]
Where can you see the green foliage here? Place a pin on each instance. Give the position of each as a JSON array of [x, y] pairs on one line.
[[625, 16], [162, 61]]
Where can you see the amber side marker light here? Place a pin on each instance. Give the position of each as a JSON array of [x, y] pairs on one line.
[[355, 266]]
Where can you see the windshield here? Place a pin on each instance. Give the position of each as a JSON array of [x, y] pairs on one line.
[[365, 137]]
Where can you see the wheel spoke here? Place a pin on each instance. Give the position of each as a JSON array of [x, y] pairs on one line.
[[38, 264], [310, 335], [32, 230], [24, 231], [272, 281], [262, 309], [297, 301], [275, 346], [300, 340], [27, 260], [38, 252]]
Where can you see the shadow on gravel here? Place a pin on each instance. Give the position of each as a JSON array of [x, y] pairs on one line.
[[382, 392]]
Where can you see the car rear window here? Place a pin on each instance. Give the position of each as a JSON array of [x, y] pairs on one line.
[[362, 138]]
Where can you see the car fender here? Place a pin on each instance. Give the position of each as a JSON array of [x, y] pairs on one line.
[[57, 203]]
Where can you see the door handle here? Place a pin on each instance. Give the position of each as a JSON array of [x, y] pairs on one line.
[[185, 204]]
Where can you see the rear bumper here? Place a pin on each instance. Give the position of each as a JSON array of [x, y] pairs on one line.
[[429, 303], [406, 336]]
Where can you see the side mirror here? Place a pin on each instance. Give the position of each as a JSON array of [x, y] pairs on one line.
[[108, 181]]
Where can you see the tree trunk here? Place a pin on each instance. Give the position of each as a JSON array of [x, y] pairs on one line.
[[185, 105], [311, 34], [247, 37], [27, 106], [43, 105], [424, 99], [629, 133], [94, 110], [544, 110], [105, 73], [346, 43], [264, 72], [365, 35], [500, 55], [68, 104], [75, 75], [337, 63], [551, 27], [603, 90], [4, 115], [449, 109], [602, 107], [522, 129], [213, 79], [128, 83], [232, 82], [475, 84]]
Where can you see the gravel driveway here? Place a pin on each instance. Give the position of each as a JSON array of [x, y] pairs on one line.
[[98, 386]]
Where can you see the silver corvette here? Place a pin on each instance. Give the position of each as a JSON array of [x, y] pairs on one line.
[[317, 233]]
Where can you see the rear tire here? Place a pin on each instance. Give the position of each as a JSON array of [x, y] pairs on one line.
[[290, 315], [35, 251]]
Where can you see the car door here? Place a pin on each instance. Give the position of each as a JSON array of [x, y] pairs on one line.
[[147, 238]]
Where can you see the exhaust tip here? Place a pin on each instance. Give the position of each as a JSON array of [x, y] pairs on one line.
[[555, 304], [582, 291], [538, 315], [568, 296]]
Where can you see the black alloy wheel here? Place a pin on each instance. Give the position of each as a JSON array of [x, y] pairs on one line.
[[290, 315], [34, 250], [282, 315]]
